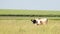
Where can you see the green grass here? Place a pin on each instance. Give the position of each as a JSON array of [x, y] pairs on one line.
[[23, 25], [27, 18], [30, 12], [26, 27]]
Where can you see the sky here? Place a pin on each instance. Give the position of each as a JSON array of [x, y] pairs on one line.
[[30, 4]]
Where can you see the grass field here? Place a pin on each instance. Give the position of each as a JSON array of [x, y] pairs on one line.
[[30, 12], [26, 27], [23, 25]]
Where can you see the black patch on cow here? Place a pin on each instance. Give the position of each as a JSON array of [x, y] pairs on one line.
[[34, 21]]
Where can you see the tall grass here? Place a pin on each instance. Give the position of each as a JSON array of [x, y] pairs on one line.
[[26, 27]]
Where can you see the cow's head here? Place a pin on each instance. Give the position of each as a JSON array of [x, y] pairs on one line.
[[34, 21]]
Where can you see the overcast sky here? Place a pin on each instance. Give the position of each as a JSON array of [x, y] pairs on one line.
[[30, 4]]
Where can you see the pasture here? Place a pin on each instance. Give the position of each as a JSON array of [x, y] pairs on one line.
[[23, 25], [29, 12]]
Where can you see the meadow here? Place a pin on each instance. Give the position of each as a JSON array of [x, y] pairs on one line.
[[29, 12], [23, 25]]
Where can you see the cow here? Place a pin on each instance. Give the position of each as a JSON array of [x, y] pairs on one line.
[[39, 21]]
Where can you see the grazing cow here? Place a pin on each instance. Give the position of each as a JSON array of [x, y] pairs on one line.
[[40, 21]]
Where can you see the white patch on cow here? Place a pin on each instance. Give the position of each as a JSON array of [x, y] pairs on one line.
[[43, 20]]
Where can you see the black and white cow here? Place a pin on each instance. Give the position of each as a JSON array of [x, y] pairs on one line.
[[40, 21]]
